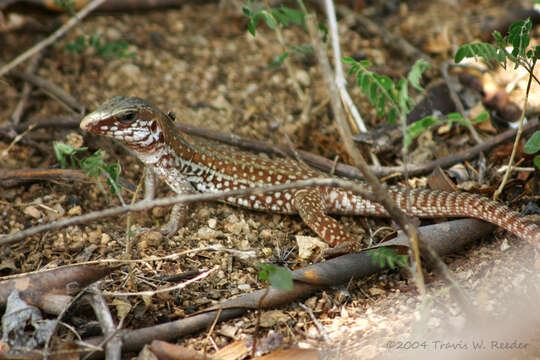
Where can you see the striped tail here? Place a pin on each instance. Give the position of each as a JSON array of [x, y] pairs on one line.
[[437, 203]]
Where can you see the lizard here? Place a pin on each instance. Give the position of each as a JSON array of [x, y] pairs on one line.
[[189, 165]]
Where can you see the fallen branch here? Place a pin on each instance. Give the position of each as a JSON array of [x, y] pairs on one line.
[[51, 290]]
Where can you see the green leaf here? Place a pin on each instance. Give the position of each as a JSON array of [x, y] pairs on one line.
[[383, 256], [373, 93], [295, 16], [278, 59], [280, 17], [77, 46], [533, 144], [391, 116], [348, 60], [324, 30], [384, 81], [483, 116], [302, 49], [403, 95], [381, 103], [415, 129], [487, 51], [278, 276], [365, 84], [518, 36], [537, 161], [416, 72], [251, 27], [456, 117], [270, 20]]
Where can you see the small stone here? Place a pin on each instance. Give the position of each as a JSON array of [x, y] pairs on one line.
[[93, 237], [203, 212], [251, 88], [59, 210], [504, 245], [105, 239], [113, 34], [220, 102], [75, 211], [235, 225], [266, 234], [228, 331], [303, 78], [154, 238], [142, 245], [159, 212], [131, 71], [33, 212], [205, 233], [244, 287], [273, 317], [212, 223]]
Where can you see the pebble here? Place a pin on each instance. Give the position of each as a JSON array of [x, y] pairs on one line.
[[212, 223], [303, 78], [105, 239], [75, 211], [205, 233], [244, 287], [154, 238], [33, 212]]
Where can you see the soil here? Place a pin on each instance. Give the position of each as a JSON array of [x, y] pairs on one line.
[[200, 62]]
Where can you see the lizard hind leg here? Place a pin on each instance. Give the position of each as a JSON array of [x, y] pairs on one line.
[[309, 204]]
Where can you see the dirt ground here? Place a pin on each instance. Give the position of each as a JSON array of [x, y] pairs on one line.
[[200, 62]]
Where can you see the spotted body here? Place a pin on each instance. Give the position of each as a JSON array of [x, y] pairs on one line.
[[188, 165]]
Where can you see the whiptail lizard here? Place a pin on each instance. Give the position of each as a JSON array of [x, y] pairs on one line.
[[188, 165]]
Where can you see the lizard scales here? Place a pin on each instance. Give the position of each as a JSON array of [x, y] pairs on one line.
[[189, 165]]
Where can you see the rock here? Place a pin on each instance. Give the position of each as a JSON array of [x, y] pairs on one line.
[[32, 211], [75, 211]]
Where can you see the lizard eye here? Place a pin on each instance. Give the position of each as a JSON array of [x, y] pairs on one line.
[[126, 118]]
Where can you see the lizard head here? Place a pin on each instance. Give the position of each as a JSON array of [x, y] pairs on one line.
[[132, 121]]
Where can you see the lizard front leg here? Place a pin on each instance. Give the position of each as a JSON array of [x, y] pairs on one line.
[[179, 211], [308, 203], [150, 181], [180, 185]]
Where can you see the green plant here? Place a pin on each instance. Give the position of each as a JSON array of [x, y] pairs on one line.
[[384, 256], [392, 100], [67, 5], [273, 17], [276, 17], [105, 49], [533, 146], [518, 38], [278, 276], [93, 165]]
